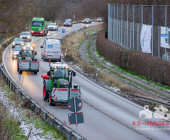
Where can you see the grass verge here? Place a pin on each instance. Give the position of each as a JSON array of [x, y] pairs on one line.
[[10, 124]]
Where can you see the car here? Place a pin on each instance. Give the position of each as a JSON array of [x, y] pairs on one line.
[[51, 49], [17, 41], [100, 19], [68, 22], [87, 21], [16, 51], [53, 26], [26, 36]]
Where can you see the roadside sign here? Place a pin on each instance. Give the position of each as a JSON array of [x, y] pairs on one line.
[[63, 30], [74, 105], [71, 104], [72, 118]]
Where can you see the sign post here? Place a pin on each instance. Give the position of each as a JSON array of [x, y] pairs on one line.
[[74, 105]]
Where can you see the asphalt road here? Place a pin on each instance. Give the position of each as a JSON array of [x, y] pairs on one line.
[[107, 116]]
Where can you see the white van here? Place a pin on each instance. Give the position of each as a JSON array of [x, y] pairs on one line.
[[51, 49]]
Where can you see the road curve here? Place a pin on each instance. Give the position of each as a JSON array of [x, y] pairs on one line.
[[106, 115]]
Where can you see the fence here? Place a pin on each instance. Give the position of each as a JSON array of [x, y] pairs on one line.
[[51, 120], [142, 28]]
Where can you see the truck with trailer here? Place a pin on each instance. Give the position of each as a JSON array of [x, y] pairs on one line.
[[27, 61], [57, 84], [38, 27]]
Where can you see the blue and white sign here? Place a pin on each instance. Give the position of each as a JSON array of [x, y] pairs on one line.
[[63, 30], [164, 37], [50, 46]]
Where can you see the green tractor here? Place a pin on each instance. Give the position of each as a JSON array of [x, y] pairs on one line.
[[57, 84], [27, 60]]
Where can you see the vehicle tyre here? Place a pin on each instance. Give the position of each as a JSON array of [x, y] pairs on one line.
[[45, 93], [20, 72], [59, 60], [35, 72], [50, 101]]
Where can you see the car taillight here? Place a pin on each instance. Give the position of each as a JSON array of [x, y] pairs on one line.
[[44, 53], [60, 53]]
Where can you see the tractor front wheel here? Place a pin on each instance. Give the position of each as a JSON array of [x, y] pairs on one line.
[[45, 93]]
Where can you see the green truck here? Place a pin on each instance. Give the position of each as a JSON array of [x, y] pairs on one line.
[[38, 27]]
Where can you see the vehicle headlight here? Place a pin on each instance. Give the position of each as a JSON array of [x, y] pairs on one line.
[[22, 43], [13, 43], [32, 31], [41, 32], [28, 36]]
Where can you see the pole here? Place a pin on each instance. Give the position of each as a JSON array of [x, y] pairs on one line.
[[117, 24], [127, 25], [152, 30], [114, 25], [165, 21], [76, 117], [133, 26]]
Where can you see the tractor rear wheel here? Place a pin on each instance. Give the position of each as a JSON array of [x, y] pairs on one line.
[[45, 93], [50, 100]]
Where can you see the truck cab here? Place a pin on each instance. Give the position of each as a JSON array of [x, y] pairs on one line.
[[38, 27]]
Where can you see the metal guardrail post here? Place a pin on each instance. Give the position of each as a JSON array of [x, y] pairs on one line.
[[34, 107], [45, 116], [39, 110], [61, 129], [53, 122], [70, 135]]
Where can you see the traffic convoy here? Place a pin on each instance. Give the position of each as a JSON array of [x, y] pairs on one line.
[[57, 82]]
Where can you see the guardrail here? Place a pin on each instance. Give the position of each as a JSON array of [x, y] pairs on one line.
[[45, 115], [154, 101]]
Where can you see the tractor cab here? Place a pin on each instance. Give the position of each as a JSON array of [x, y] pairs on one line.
[[60, 75], [27, 52]]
